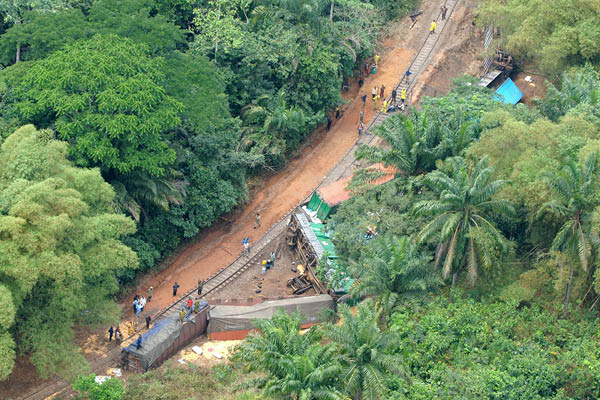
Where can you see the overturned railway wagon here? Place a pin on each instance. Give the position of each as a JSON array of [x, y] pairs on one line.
[[235, 322], [166, 337]]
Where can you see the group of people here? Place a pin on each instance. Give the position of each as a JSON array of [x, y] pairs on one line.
[[433, 26], [371, 68], [138, 304], [190, 305], [116, 332]]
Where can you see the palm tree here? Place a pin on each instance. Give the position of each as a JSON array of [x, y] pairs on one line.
[[295, 364], [415, 143], [364, 348], [311, 375], [394, 269], [461, 217], [138, 190], [575, 188]]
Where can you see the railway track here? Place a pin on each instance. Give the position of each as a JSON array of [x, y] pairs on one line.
[[228, 274]]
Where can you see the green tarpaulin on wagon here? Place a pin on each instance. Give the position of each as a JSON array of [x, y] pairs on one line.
[[318, 205]]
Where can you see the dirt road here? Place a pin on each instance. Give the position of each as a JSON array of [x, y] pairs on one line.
[[280, 192]]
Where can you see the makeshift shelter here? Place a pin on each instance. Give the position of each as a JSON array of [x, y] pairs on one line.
[[235, 322], [166, 336], [509, 92]]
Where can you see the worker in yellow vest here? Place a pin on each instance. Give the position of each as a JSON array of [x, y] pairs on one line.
[[432, 27], [384, 107], [403, 96]]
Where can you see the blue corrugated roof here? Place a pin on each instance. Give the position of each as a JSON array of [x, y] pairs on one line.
[[509, 92]]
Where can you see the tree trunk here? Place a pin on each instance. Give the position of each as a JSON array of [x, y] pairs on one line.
[[566, 306], [454, 275], [331, 10]]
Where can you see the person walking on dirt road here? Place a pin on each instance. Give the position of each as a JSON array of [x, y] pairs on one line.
[[110, 333], [444, 10], [360, 128], [381, 92], [175, 287], [432, 27], [362, 116], [150, 294], [374, 92], [377, 60], [328, 127], [257, 221], [364, 100]]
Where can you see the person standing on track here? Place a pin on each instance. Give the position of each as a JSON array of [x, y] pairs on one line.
[[394, 93], [148, 320], [384, 107], [175, 287], [375, 101], [403, 96], [381, 92], [200, 286], [432, 27], [138, 342], [246, 247], [444, 10]]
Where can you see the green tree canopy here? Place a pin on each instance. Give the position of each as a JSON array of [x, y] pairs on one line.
[[59, 250], [461, 217], [104, 96], [41, 33], [296, 364], [393, 269], [554, 34], [575, 188], [367, 351]]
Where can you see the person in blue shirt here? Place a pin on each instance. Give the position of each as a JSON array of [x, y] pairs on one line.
[[138, 342]]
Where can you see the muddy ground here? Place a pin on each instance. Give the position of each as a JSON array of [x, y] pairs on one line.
[[252, 283]]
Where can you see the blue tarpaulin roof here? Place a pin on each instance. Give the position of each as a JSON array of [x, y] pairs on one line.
[[509, 92]]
